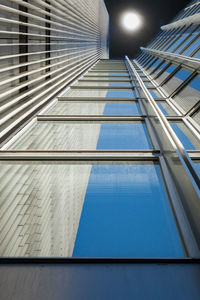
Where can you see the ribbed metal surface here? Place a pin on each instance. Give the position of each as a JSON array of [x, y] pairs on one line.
[[44, 45]]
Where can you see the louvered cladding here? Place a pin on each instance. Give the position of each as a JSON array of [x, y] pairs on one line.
[[44, 46], [196, 117]]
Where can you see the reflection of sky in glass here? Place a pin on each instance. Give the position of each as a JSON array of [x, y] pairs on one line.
[[162, 109], [187, 139], [153, 93], [123, 136], [156, 63], [126, 213], [195, 83], [120, 94], [162, 66], [191, 48], [197, 55], [182, 74], [196, 165], [118, 74], [120, 84], [121, 109], [184, 44]]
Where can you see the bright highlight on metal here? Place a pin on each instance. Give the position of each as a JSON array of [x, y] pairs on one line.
[[131, 21]]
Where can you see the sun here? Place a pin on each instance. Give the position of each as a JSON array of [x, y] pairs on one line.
[[131, 21]]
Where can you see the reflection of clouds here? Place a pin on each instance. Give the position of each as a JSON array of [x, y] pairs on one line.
[[136, 175], [41, 203], [123, 136]]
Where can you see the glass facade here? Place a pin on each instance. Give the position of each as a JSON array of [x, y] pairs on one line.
[[95, 158], [107, 174], [111, 206]]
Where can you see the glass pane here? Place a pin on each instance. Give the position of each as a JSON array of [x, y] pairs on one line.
[[196, 165], [196, 116], [178, 78], [154, 93], [126, 214], [188, 139], [165, 108], [122, 109], [95, 108], [189, 95], [118, 210], [184, 44], [85, 136], [120, 94], [191, 48], [166, 73], [162, 66], [126, 93], [108, 74], [197, 55], [104, 84], [105, 78]]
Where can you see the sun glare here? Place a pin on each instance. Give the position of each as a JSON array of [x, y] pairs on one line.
[[131, 21]]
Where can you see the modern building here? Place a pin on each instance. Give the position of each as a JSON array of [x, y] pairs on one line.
[[99, 160]]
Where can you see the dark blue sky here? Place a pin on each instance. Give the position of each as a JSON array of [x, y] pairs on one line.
[[155, 14]]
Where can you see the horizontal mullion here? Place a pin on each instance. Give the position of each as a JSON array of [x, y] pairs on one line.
[[81, 87], [109, 71], [194, 154], [103, 76], [64, 81], [80, 155], [69, 98], [88, 118], [103, 80]]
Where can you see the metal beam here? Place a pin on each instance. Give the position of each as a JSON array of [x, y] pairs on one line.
[[195, 19], [79, 155], [177, 59]]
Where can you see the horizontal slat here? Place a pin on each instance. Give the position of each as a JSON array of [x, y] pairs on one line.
[[43, 46], [89, 118], [79, 155]]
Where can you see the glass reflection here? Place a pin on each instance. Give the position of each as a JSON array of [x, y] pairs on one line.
[[118, 210]]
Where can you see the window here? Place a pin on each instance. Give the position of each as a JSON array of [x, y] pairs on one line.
[[165, 108], [173, 83], [125, 209], [95, 108], [91, 135], [187, 138], [189, 95]]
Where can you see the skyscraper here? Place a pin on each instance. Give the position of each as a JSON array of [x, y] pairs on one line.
[[106, 175]]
